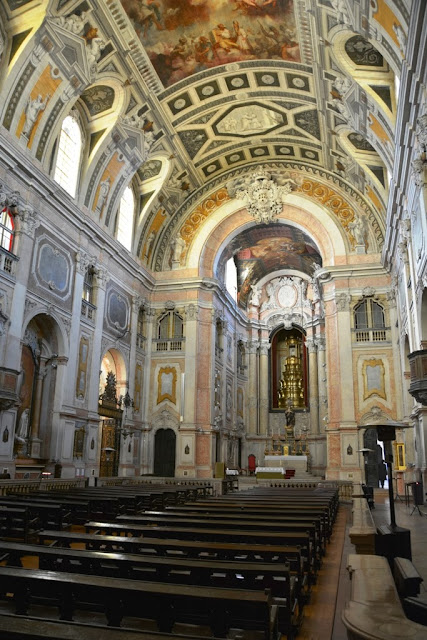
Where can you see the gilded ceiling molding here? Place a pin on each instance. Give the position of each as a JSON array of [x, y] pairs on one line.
[[199, 215], [274, 167]]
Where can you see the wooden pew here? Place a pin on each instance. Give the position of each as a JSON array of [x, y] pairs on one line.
[[13, 627], [205, 522], [51, 514], [279, 517], [18, 522], [301, 538], [254, 511], [217, 608], [275, 576]]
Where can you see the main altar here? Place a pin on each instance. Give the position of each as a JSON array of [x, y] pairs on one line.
[[286, 454]]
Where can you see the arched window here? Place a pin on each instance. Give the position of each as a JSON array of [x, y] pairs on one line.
[[68, 157], [369, 321], [88, 298], [170, 332], [231, 278], [125, 218], [7, 230], [88, 285]]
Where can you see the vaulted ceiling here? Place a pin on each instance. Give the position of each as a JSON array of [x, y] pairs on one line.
[[225, 86]]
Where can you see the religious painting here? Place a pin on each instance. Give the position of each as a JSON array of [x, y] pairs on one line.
[[184, 37], [166, 385], [138, 387], [240, 402], [373, 379], [82, 368]]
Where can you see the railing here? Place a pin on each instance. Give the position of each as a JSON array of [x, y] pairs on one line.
[[88, 310], [371, 335], [170, 344], [7, 261], [26, 486]]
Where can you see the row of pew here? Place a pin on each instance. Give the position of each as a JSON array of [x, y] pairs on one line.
[[188, 565]]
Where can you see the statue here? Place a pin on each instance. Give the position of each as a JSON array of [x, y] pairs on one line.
[[74, 23], [94, 51], [256, 295], [290, 418], [104, 189], [32, 110], [358, 230], [22, 431], [177, 249], [148, 244]]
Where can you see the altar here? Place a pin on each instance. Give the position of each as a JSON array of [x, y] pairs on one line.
[[299, 463]]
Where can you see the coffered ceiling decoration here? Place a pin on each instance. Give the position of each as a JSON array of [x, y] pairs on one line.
[[183, 96]]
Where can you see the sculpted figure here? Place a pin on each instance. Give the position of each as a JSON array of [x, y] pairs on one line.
[[32, 110]]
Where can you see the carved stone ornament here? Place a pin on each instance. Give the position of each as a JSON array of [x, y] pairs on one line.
[[421, 133], [28, 218], [262, 195], [419, 166], [368, 292], [73, 23], [8, 198], [342, 301]]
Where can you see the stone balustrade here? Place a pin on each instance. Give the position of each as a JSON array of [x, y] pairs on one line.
[[374, 610]]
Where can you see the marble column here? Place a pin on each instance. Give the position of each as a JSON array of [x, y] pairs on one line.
[[82, 262], [100, 284], [35, 418], [313, 386], [322, 381], [136, 305], [252, 400], [24, 241], [263, 387]]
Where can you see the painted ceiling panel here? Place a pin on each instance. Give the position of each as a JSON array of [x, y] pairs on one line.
[[185, 37]]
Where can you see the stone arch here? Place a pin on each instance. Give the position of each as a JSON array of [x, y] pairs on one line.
[[39, 385], [114, 361], [229, 220]]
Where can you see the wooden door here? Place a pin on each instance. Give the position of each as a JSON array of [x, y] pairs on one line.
[[164, 453]]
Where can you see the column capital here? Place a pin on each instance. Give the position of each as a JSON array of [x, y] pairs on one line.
[[83, 260], [321, 343], [252, 346], [342, 300], [28, 218], [264, 347], [101, 274], [311, 345], [192, 311], [137, 302]]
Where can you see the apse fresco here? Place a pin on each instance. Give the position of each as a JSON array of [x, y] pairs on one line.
[[183, 37], [265, 249]]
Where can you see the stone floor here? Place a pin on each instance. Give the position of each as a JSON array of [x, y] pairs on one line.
[[323, 614]]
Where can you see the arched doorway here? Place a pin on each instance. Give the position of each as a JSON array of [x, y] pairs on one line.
[[112, 388], [37, 388], [164, 453]]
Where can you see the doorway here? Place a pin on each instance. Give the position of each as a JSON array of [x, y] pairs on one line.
[[164, 453]]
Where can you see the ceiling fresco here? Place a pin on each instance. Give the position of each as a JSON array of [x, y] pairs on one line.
[[265, 249], [187, 95], [183, 37]]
